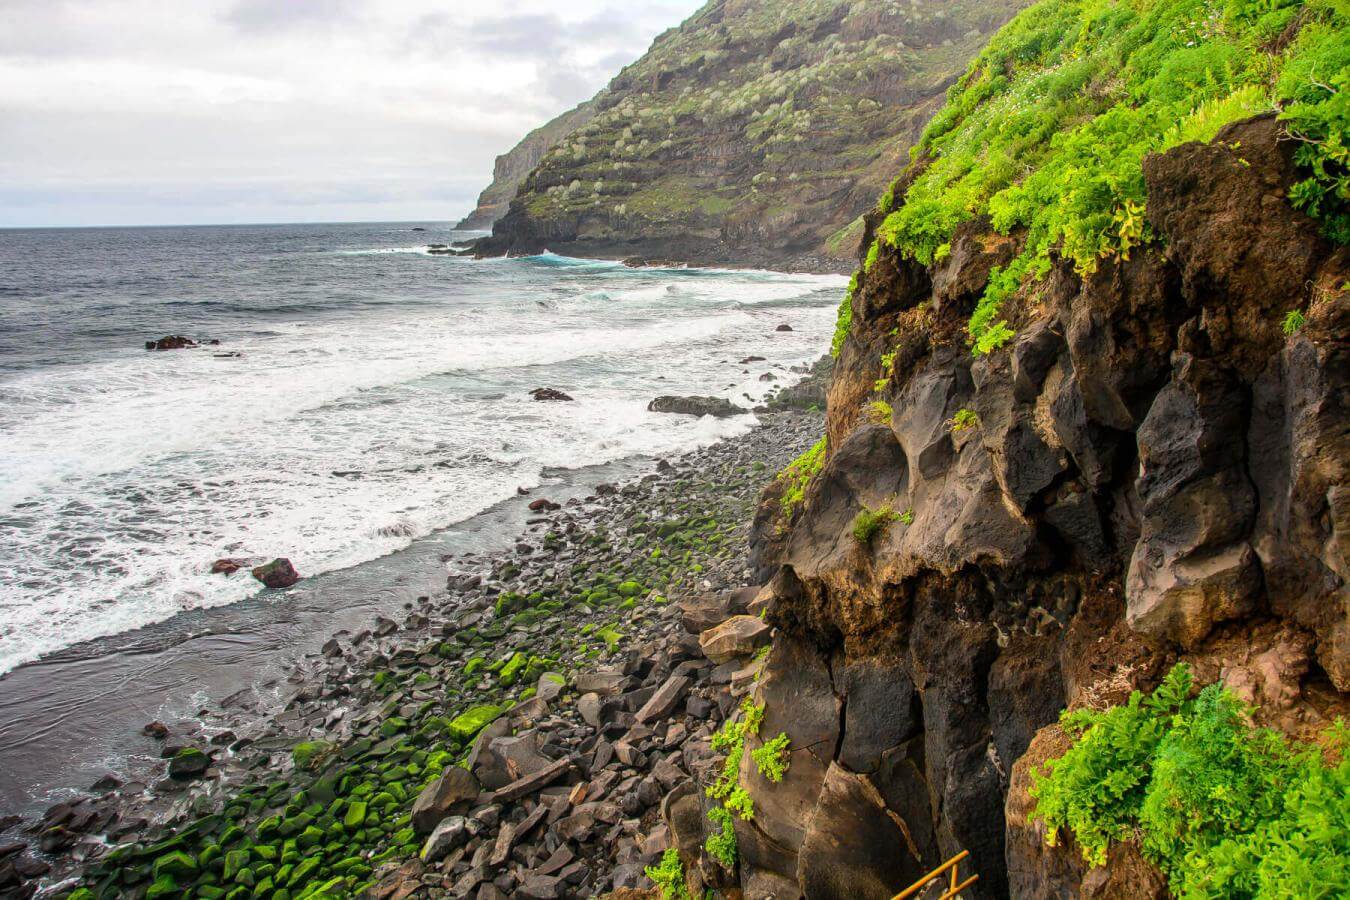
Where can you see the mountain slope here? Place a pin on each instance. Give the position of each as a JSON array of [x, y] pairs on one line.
[[755, 133], [512, 168]]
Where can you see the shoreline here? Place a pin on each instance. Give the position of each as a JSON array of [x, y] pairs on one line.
[[235, 745]]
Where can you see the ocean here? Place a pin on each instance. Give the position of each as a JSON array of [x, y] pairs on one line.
[[366, 414], [364, 393]]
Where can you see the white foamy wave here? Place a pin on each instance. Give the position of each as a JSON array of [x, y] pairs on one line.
[[340, 438]]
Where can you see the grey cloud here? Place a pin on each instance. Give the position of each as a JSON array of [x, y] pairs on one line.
[[275, 15]]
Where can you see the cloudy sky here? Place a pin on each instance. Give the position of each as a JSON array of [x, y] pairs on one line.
[[196, 111]]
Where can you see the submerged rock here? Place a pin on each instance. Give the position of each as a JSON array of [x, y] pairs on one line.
[[174, 342], [227, 566], [547, 394], [717, 407]]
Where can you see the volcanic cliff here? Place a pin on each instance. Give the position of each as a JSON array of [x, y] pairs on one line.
[[756, 133], [1143, 462]]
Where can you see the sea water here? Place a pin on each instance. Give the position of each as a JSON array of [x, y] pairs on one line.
[[364, 393]]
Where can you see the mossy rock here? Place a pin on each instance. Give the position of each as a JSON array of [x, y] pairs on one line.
[[188, 763], [474, 665], [630, 589], [175, 864], [302, 871], [468, 723], [393, 726], [163, 886], [310, 756], [235, 861], [356, 814], [510, 672]]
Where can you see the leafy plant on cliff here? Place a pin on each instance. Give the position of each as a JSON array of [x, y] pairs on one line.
[[844, 321], [1224, 809], [1293, 321], [668, 876], [1046, 132], [868, 523], [772, 759], [964, 418], [798, 474]]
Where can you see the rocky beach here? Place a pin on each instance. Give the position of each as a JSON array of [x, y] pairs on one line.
[[514, 735]]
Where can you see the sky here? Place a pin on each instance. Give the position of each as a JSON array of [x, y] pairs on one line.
[[160, 112]]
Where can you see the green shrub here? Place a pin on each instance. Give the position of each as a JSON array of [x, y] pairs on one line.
[[772, 759], [668, 875], [721, 843], [1293, 321], [1224, 809], [1047, 130], [964, 418], [798, 474], [844, 320], [868, 523]]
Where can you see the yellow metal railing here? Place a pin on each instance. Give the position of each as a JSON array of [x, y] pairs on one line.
[[953, 888]]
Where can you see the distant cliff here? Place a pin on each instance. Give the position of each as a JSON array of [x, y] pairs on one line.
[[511, 168], [756, 133]]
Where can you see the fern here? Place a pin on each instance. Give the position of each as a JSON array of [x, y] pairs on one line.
[[1224, 809], [772, 759], [668, 876]]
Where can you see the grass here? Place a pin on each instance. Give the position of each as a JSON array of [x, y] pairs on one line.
[[1046, 131]]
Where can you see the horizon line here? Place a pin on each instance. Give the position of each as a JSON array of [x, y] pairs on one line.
[[241, 224]]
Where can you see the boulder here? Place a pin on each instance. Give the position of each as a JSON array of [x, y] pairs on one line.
[[188, 763], [664, 701], [546, 395], [852, 847], [227, 566], [543, 504], [705, 611], [171, 342], [447, 835], [736, 637], [277, 574], [717, 407], [454, 787]]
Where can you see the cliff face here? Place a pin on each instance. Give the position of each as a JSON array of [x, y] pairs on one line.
[[512, 168], [1153, 471], [755, 133], [1148, 465]]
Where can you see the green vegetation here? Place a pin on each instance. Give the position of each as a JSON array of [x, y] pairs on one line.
[[726, 787], [1293, 321], [809, 93], [880, 412], [1224, 809], [964, 418], [772, 759], [310, 755], [907, 517], [668, 875], [1047, 130], [868, 523], [721, 844], [798, 475], [844, 321]]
